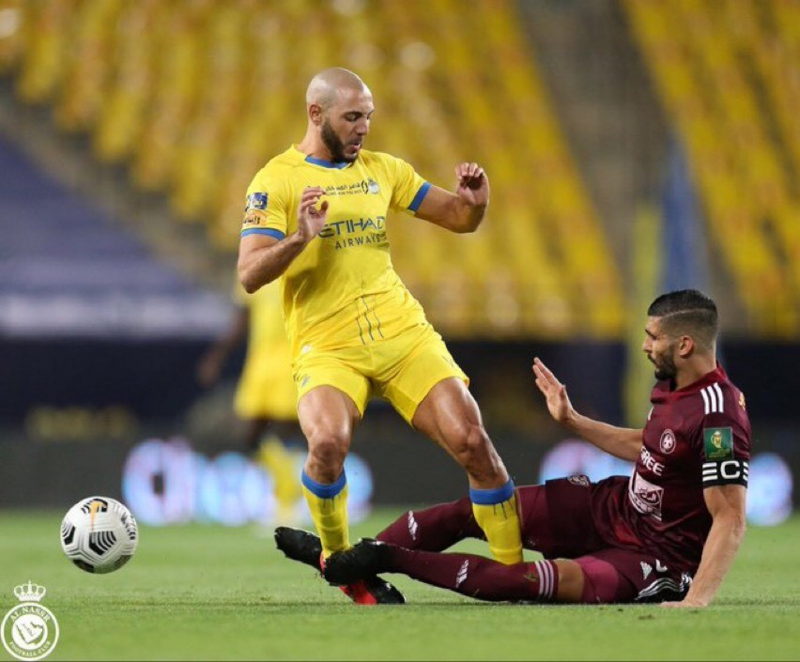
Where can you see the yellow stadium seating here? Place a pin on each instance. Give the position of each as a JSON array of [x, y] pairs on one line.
[[727, 72]]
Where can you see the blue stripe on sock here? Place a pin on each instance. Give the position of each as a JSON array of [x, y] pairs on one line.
[[492, 497], [324, 491]]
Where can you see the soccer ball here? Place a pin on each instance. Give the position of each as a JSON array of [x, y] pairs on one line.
[[99, 535]]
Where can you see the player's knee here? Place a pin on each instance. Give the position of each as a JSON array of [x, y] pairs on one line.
[[326, 454], [475, 451]]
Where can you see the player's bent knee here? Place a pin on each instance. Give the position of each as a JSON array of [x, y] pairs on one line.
[[570, 581], [475, 451], [326, 454]]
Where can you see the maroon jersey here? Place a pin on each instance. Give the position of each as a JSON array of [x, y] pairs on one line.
[[696, 437]]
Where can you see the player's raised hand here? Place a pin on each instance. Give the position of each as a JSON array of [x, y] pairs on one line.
[[472, 185], [310, 218], [554, 391]]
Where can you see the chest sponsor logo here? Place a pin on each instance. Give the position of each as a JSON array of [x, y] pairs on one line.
[[365, 186], [647, 460], [667, 443], [645, 497], [718, 443]]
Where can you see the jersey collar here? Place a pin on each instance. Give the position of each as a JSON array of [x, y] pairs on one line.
[[334, 165], [665, 390]]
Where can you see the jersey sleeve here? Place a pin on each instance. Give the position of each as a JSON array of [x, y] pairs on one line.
[[725, 449], [266, 207], [408, 187]]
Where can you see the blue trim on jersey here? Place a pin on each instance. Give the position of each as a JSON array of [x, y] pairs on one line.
[[324, 491], [267, 231], [327, 164], [419, 197], [492, 497]]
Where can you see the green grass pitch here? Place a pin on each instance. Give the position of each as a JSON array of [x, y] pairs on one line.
[[208, 592]]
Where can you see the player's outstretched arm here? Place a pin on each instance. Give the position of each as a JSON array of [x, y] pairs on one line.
[[263, 258], [726, 503], [463, 210], [210, 365], [625, 443]]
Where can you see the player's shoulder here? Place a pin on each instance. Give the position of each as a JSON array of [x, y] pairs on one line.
[[275, 177], [281, 163], [380, 159], [721, 396]]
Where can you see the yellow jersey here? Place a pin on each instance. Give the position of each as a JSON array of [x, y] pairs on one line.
[[266, 388], [342, 290]]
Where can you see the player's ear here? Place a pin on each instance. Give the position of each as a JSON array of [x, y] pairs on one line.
[[315, 113], [686, 346]]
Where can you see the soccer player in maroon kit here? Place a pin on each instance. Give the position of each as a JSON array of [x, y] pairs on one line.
[[669, 533]]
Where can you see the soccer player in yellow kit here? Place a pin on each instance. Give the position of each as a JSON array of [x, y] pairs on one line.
[[266, 396], [316, 216]]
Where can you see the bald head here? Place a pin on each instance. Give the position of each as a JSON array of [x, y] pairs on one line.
[[325, 87]]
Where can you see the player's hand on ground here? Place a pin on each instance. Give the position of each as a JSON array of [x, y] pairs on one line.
[[310, 218], [472, 185], [554, 391]]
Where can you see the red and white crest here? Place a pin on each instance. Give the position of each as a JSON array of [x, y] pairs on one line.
[[667, 441]]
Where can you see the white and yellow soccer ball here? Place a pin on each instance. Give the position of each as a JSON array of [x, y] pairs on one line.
[[99, 535]]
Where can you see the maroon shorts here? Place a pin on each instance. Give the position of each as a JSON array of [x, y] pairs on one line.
[[559, 522]]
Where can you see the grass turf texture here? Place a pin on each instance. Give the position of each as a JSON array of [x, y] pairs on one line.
[[208, 592]]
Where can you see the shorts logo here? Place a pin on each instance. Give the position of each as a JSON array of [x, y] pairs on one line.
[[29, 631], [580, 480], [257, 201], [646, 569], [667, 441], [718, 443]]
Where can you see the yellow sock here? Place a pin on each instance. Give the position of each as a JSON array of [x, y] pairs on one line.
[[496, 513], [281, 465], [328, 506]]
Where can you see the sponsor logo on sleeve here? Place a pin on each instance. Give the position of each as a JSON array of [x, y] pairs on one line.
[[718, 444], [256, 201], [254, 218]]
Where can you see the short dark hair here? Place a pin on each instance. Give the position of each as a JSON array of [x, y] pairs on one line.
[[688, 312]]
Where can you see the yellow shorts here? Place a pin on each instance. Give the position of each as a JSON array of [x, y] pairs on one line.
[[401, 370], [266, 388]]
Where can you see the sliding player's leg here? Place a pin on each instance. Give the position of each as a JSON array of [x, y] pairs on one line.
[[433, 529], [474, 576]]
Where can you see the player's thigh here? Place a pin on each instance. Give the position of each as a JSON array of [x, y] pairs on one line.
[[621, 575], [330, 387], [556, 518], [424, 364], [328, 413]]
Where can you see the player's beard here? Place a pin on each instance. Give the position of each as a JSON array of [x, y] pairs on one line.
[[665, 365], [334, 144]]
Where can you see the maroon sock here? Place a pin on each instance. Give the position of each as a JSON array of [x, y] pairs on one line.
[[433, 529], [477, 576]]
